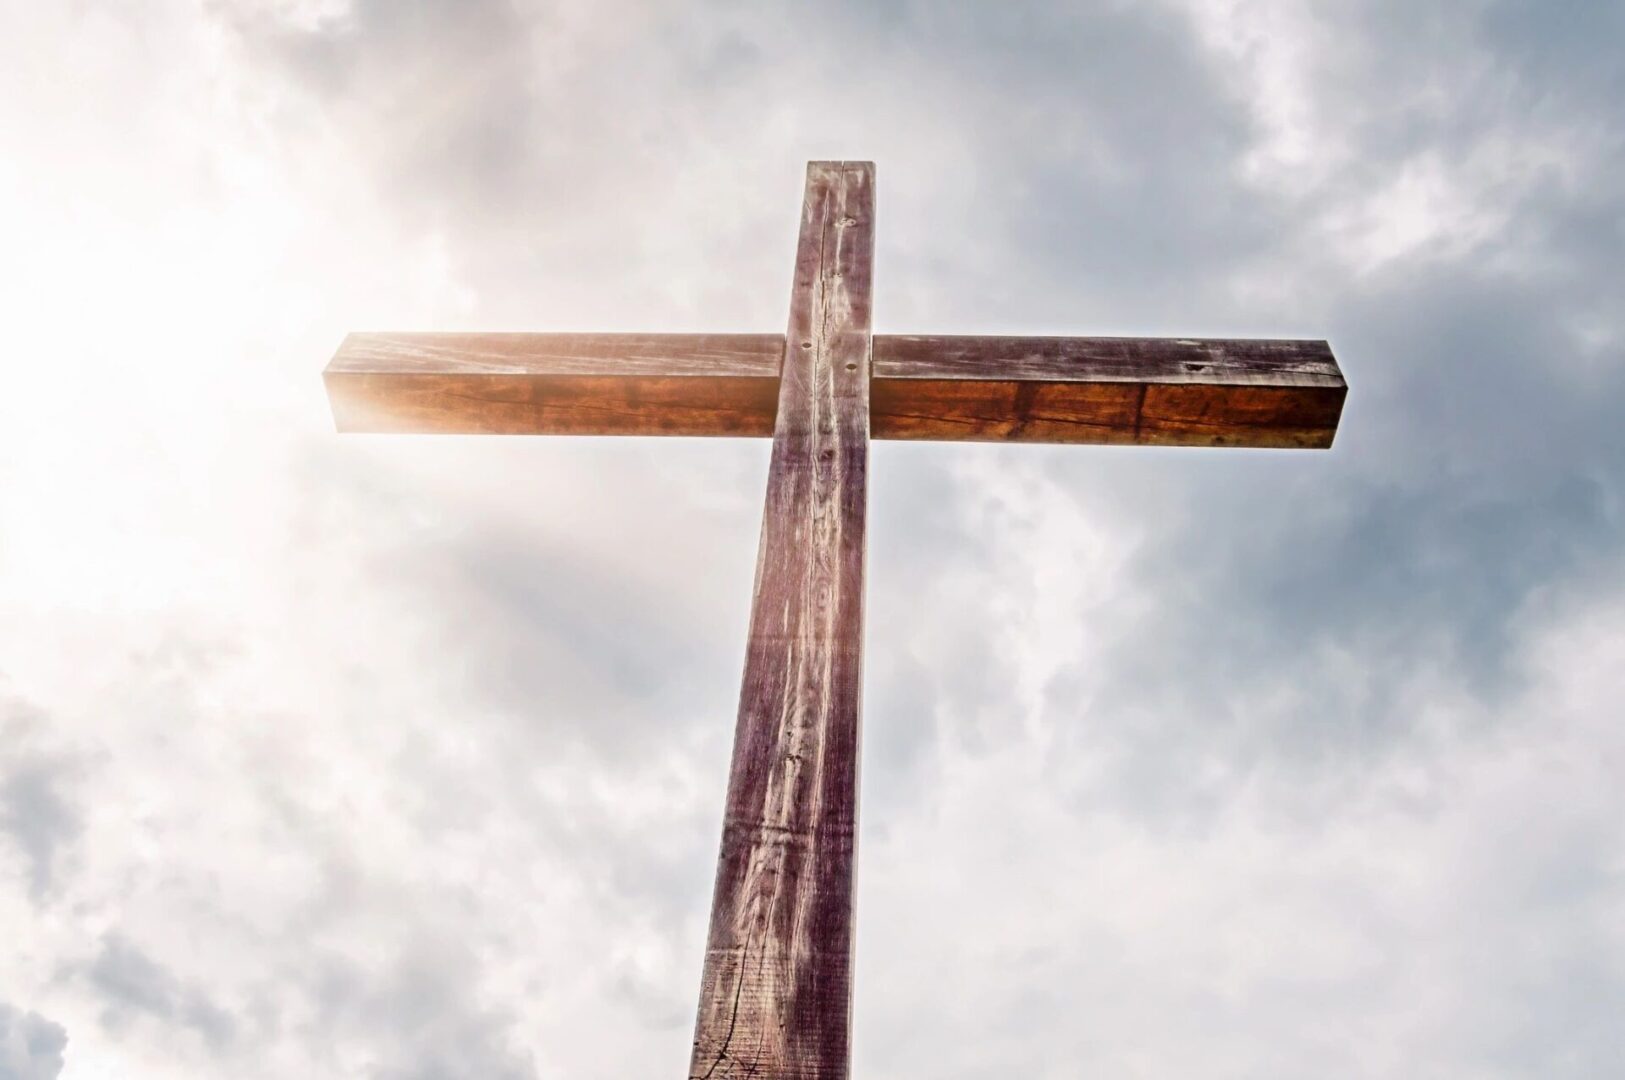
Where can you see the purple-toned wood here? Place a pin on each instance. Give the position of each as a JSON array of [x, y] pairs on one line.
[[775, 997]]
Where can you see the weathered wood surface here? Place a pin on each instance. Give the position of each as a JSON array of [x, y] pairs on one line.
[[775, 998], [1154, 391], [561, 384], [1215, 361], [1210, 392]]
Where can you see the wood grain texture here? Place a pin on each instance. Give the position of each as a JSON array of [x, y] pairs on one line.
[[1152, 391], [559, 384], [1168, 391], [1232, 361], [775, 997]]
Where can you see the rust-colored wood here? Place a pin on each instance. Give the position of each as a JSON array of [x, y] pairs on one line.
[[1162, 391], [775, 996], [560, 384], [1153, 391]]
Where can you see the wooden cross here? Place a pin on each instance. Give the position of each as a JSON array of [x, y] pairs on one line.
[[775, 996]]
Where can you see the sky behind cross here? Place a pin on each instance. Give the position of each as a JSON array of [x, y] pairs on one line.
[[332, 757]]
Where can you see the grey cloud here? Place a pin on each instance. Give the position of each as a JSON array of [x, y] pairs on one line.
[[1292, 574], [551, 623], [35, 811], [132, 983], [418, 1018], [577, 642], [483, 122], [1564, 50], [437, 90], [31, 1047], [1112, 186], [1477, 477]]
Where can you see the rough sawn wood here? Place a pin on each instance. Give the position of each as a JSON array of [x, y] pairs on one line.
[[775, 997], [1164, 391]]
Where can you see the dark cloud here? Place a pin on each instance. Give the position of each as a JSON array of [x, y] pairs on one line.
[[1563, 50]]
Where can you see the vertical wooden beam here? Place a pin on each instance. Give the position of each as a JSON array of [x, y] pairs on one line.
[[775, 1000]]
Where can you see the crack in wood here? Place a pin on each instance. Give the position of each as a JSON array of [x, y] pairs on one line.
[[780, 944]]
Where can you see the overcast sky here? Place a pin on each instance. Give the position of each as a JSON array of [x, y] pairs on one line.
[[403, 758]]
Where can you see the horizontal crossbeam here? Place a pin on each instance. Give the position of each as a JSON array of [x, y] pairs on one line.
[[1153, 391]]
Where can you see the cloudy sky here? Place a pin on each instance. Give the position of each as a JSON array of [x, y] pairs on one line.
[[403, 758]]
